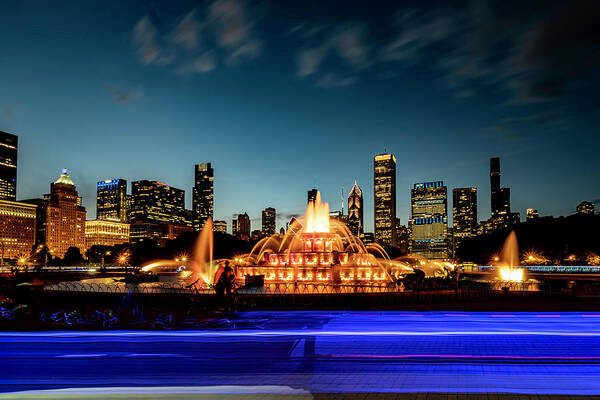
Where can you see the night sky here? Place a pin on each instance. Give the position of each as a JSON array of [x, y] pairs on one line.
[[282, 97]]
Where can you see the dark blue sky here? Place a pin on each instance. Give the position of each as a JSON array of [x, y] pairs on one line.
[[282, 96]]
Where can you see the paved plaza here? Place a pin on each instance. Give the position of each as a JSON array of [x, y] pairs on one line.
[[354, 355]]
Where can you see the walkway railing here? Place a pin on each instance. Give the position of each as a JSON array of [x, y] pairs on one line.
[[180, 288]]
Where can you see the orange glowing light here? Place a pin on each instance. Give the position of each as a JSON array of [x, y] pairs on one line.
[[317, 216]]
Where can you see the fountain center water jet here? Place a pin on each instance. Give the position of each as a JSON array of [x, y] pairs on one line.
[[509, 257], [202, 257]]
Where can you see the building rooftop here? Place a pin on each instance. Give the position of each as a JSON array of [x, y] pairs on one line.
[[64, 178]]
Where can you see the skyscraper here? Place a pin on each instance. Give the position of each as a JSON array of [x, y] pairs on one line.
[[385, 199], [429, 220], [269, 217], [65, 218], [500, 199], [157, 211], [203, 194], [111, 200], [494, 184], [220, 226], [311, 195], [243, 227], [532, 214], [355, 210], [464, 213], [157, 202], [41, 214], [501, 217], [585, 208], [9, 145], [17, 229]]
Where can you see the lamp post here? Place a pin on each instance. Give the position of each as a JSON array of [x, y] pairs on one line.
[[104, 254], [22, 262], [123, 261]]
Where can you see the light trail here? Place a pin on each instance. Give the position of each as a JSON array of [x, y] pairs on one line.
[[320, 352]]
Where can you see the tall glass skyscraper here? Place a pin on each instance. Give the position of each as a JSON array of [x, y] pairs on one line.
[[9, 145], [111, 200], [269, 216], [385, 199], [502, 217], [429, 220], [464, 213], [500, 200], [157, 202], [203, 194], [157, 211]]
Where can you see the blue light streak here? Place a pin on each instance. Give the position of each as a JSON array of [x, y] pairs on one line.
[[334, 352]]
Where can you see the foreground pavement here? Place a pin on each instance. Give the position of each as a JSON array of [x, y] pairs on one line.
[[306, 355]]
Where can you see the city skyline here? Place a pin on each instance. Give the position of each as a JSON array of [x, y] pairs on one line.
[[282, 220], [143, 111]]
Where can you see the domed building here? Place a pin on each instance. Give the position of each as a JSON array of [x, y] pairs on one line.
[[65, 218]]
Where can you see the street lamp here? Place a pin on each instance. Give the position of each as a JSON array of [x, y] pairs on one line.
[[107, 253], [123, 259], [22, 261]]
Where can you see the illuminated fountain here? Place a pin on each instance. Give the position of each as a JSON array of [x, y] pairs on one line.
[[317, 249], [200, 268], [509, 258]]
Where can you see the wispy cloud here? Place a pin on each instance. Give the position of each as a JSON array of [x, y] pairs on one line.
[[234, 29], [124, 95], [350, 43], [418, 29], [230, 21], [549, 120], [187, 32], [202, 64], [309, 60], [533, 53], [344, 43], [145, 38], [196, 43]]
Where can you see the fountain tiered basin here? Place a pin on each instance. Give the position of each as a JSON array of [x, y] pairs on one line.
[[318, 249]]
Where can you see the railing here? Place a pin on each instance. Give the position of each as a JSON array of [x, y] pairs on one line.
[[540, 268], [69, 268], [180, 288], [117, 287]]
